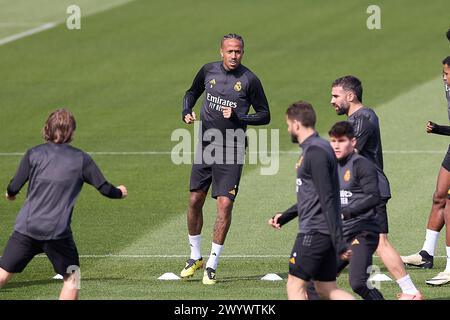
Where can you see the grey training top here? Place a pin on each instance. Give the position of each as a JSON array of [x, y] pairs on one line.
[[56, 173]]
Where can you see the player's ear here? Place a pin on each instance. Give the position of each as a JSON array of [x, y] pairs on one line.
[[221, 53], [350, 96], [353, 142]]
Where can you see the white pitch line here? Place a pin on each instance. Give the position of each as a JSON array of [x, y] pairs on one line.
[[27, 33], [151, 153]]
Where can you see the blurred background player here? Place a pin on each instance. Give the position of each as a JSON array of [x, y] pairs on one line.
[[319, 240], [55, 172], [230, 89], [347, 99], [437, 218]]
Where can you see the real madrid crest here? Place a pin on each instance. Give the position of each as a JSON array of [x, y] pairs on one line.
[[347, 176], [238, 86], [212, 83]]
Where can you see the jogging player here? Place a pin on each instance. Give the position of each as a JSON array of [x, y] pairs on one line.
[[319, 240], [437, 218], [55, 172], [230, 89], [347, 99]]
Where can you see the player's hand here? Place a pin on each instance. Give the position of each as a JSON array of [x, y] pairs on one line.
[[274, 221], [10, 198], [346, 256], [124, 191], [226, 111], [430, 126], [190, 118]]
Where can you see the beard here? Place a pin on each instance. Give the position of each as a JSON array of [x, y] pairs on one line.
[[294, 138], [341, 109]]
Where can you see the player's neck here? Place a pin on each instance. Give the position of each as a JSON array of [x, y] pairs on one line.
[[305, 133], [354, 107]]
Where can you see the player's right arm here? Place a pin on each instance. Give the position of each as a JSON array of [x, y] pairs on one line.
[[20, 178], [192, 95], [288, 215], [437, 129], [281, 218], [93, 176]]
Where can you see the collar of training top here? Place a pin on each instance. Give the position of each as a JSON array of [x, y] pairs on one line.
[[308, 140], [344, 161]]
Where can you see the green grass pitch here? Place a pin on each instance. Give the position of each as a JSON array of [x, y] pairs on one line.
[[124, 75]]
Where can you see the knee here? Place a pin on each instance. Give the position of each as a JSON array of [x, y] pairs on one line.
[[196, 200], [294, 286], [382, 243], [439, 197], [224, 204]]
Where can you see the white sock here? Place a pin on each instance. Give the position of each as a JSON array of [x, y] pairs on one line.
[[195, 244], [213, 260], [431, 239], [407, 285], [447, 267]]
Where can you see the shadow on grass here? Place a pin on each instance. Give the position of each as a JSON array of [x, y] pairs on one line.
[[250, 278], [29, 283]]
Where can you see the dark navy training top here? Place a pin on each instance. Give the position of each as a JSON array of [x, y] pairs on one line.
[[56, 173]]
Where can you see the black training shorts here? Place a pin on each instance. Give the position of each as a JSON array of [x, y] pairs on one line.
[[20, 249], [313, 258], [223, 175]]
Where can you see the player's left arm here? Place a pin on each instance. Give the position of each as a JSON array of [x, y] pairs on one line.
[[366, 174], [93, 176], [438, 129], [321, 173], [258, 100], [20, 178]]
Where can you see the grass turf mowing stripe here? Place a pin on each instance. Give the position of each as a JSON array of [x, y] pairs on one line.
[[21, 18]]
